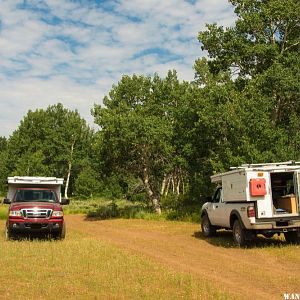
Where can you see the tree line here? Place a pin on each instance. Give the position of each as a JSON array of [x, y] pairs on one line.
[[162, 137]]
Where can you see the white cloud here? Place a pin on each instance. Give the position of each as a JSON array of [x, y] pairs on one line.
[[37, 93], [72, 52]]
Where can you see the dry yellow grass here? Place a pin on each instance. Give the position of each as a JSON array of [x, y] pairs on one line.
[[138, 259], [265, 271], [83, 267]]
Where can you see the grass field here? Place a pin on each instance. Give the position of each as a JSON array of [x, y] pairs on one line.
[[83, 267], [139, 259], [3, 212], [144, 259]]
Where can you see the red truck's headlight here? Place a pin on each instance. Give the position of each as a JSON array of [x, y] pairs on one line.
[[15, 213], [57, 213]]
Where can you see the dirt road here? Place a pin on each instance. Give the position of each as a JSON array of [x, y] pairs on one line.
[[265, 271]]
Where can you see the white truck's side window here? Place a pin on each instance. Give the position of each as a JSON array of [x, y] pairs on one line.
[[217, 196]]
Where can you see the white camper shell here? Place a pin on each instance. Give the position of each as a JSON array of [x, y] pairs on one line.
[[40, 182], [273, 187]]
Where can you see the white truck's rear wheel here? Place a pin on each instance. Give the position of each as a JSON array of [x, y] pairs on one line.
[[239, 234], [292, 237], [268, 235]]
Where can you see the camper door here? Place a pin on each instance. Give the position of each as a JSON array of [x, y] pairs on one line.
[[297, 188]]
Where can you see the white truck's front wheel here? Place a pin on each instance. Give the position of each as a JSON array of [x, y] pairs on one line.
[[207, 229]]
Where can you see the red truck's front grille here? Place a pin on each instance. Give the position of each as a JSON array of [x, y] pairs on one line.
[[36, 213]]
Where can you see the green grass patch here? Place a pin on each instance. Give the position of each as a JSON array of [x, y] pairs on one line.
[[3, 212], [101, 208], [82, 267], [138, 210], [90, 206]]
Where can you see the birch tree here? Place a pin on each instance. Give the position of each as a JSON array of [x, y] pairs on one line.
[[137, 129]]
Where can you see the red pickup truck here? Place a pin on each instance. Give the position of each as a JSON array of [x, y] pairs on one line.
[[35, 207]]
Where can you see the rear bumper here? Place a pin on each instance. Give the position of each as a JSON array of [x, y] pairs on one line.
[[279, 225], [35, 225]]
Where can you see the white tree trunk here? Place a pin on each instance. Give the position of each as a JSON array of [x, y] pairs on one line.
[[168, 186], [173, 185], [178, 186], [69, 170], [154, 198], [163, 185]]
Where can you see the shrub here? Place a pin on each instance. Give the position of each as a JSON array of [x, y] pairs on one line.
[[105, 212], [87, 183]]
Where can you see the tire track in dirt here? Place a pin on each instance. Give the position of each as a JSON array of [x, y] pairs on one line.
[[245, 272]]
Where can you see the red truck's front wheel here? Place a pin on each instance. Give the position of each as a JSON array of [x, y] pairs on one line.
[[8, 234], [60, 235]]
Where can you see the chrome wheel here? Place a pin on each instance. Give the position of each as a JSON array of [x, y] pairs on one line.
[[207, 229], [239, 235]]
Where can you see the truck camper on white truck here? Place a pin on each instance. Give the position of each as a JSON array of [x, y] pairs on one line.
[[255, 199]]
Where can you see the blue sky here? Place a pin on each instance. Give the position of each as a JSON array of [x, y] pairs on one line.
[[73, 51]]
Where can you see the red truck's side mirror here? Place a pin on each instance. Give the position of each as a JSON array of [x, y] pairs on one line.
[[6, 201], [64, 201]]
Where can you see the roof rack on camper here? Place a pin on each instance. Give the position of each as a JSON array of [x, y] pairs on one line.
[[279, 165], [35, 180], [265, 167], [286, 163]]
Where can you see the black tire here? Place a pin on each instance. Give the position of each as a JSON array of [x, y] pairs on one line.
[[8, 234], [268, 235], [207, 229], [292, 237], [239, 234], [61, 234]]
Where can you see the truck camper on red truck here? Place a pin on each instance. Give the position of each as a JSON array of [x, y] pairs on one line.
[[35, 207], [255, 199]]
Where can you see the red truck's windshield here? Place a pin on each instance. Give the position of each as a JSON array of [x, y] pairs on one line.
[[35, 196]]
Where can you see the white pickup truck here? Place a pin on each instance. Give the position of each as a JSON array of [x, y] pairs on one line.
[[255, 199]]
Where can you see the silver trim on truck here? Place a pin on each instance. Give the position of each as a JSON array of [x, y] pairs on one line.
[[36, 213]]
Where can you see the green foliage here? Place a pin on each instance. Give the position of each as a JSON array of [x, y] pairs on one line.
[[264, 33], [105, 212], [32, 164], [112, 187], [51, 142], [118, 209], [4, 171], [137, 128], [87, 183], [3, 143], [249, 87], [3, 164], [189, 212], [3, 212]]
